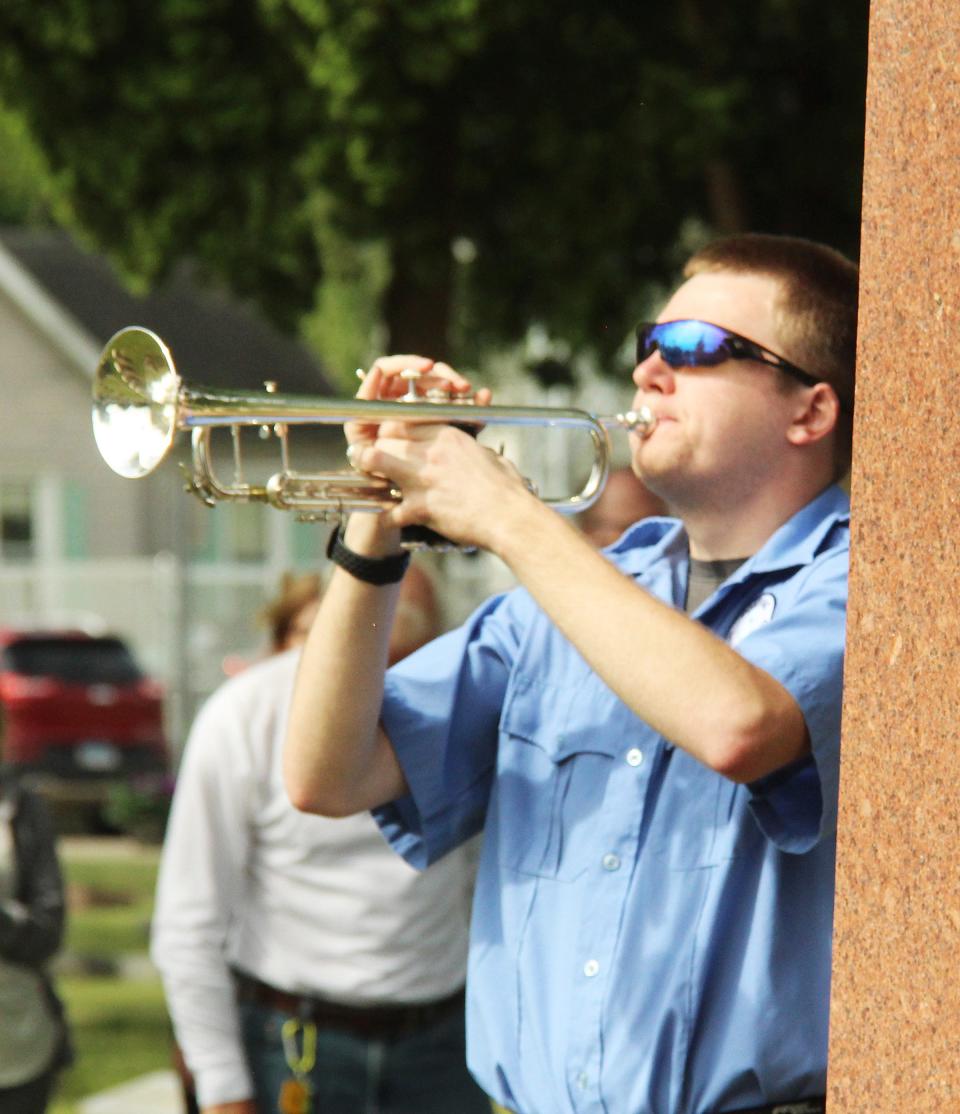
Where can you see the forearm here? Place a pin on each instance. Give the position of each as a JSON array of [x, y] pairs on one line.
[[741, 721], [200, 890], [202, 1007], [337, 760]]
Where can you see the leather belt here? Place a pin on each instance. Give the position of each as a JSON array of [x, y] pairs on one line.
[[369, 1022]]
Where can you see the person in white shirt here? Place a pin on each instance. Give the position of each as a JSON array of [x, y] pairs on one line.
[[306, 966]]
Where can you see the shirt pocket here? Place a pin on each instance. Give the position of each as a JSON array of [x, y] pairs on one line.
[[556, 757]]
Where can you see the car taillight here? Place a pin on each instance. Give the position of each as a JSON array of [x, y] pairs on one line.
[[13, 686], [150, 690]]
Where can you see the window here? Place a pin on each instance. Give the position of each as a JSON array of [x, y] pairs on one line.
[[227, 532], [246, 538], [79, 661], [17, 531]]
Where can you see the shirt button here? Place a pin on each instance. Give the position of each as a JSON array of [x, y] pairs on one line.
[[583, 1081], [634, 756], [611, 861], [591, 968]]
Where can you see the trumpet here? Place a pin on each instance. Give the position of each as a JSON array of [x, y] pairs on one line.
[[140, 404]]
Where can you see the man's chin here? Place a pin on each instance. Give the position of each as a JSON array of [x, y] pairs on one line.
[[665, 478]]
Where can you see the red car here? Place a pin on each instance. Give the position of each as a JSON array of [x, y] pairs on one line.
[[77, 713]]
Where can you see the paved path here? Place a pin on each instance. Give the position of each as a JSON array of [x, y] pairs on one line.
[[156, 1093]]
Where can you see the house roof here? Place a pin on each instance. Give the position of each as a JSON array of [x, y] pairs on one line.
[[78, 299]]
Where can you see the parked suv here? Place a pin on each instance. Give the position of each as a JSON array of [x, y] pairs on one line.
[[77, 713]]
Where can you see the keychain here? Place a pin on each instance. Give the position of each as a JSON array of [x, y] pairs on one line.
[[294, 1095]]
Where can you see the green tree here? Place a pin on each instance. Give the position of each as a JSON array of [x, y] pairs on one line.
[[26, 189], [560, 147]]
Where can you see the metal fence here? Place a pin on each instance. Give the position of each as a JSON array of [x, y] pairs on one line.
[[185, 622], [181, 623]]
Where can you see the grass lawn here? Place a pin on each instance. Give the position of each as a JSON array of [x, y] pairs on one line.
[[119, 1032], [110, 899], [119, 1024]]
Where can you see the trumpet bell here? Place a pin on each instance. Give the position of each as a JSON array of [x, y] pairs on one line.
[[136, 393]]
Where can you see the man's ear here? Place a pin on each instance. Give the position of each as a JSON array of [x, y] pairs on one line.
[[816, 414]]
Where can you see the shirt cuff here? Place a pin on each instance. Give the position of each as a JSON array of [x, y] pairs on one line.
[[796, 806], [224, 1082], [788, 806]]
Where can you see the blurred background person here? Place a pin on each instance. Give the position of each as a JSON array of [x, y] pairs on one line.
[[34, 1042], [306, 967], [289, 615], [624, 501]]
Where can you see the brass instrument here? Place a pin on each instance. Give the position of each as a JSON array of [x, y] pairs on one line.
[[140, 404]]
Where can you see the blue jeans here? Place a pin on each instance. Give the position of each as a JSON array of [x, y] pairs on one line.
[[424, 1073]]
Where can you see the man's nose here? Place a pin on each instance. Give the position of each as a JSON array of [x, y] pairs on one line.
[[654, 374]]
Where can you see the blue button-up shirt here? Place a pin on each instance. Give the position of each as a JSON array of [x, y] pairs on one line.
[[648, 937]]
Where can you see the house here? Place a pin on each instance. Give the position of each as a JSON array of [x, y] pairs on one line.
[[58, 307], [78, 543]]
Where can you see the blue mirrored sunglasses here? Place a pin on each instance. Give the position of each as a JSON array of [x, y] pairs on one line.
[[700, 344]]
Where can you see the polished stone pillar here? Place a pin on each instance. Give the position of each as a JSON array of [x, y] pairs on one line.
[[895, 1013]]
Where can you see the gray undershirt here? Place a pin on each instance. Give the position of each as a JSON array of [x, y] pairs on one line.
[[706, 577]]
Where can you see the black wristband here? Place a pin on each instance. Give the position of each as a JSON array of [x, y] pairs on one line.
[[371, 570]]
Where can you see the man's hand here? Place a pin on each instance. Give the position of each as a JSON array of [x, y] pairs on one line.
[[449, 483], [386, 380], [461, 489]]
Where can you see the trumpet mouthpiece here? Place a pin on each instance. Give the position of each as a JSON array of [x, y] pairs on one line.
[[640, 421]]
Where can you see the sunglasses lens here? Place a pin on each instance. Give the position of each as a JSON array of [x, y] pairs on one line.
[[644, 344], [684, 343]]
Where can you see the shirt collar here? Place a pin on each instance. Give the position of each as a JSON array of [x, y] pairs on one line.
[[802, 537], [794, 544]]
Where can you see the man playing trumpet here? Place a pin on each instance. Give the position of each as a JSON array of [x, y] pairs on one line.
[[648, 737]]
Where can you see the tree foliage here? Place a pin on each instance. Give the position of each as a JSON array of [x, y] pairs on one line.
[[562, 146], [26, 193]]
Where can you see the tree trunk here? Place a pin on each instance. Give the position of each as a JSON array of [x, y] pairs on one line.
[[417, 303], [724, 196], [723, 192]]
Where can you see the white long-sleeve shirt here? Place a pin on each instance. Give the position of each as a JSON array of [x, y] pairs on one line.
[[304, 903]]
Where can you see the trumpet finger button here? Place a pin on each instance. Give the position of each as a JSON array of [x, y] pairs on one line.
[[411, 374]]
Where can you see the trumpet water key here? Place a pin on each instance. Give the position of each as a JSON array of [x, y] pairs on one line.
[[140, 404]]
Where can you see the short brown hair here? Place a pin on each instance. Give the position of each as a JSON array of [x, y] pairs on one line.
[[817, 312]]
